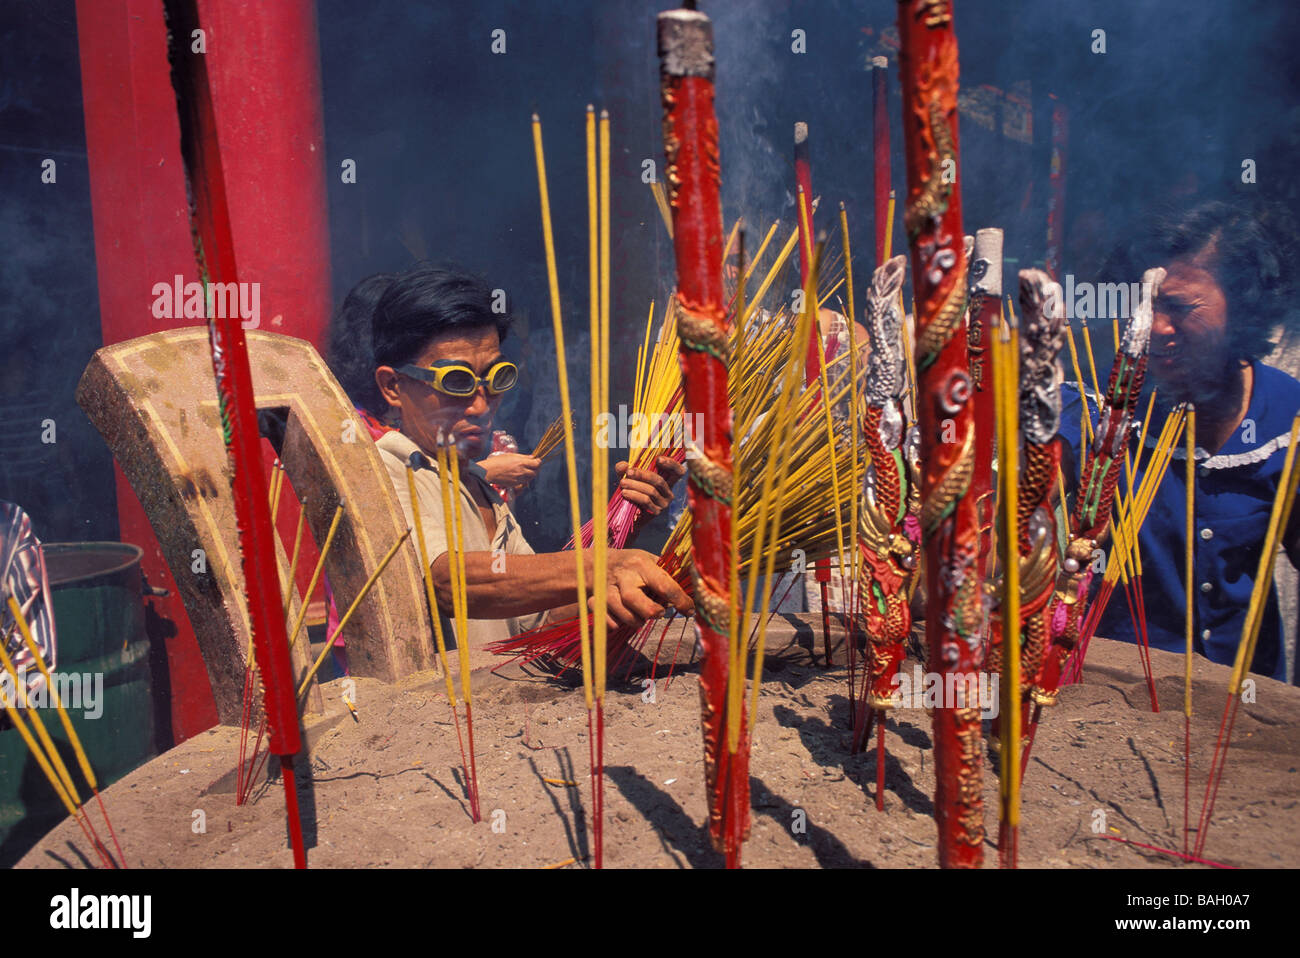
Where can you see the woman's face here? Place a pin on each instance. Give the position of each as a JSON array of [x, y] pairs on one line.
[[1189, 333]]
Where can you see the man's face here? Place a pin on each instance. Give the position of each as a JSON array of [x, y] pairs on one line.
[[1189, 334], [426, 412]]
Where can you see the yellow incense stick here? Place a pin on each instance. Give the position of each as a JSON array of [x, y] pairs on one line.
[[1085, 424], [37, 752], [273, 489], [1132, 512], [20, 695], [835, 474], [661, 201], [1189, 557], [825, 298], [642, 356], [772, 272], [762, 247], [68, 728], [731, 238], [889, 230], [1277, 521], [347, 616], [598, 584], [736, 617], [430, 597], [557, 326], [456, 559], [315, 575], [909, 356], [1142, 437], [856, 490], [1092, 363], [1006, 379], [293, 562], [806, 327], [778, 416], [600, 401]]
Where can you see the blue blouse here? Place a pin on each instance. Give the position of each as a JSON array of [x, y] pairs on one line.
[[1234, 497]]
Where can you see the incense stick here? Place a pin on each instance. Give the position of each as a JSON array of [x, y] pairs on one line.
[[44, 751], [1283, 502], [449, 472], [856, 491], [83, 760], [1006, 378], [347, 617], [1189, 559], [315, 575], [440, 640], [557, 327]]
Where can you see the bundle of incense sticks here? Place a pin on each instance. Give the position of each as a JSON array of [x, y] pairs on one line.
[[599, 272], [656, 425], [598, 291], [42, 745], [1130, 514], [661, 203], [250, 767], [656, 414], [550, 442], [812, 523], [449, 483], [418, 461]]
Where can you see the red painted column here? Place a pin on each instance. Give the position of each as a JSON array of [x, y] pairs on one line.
[[949, 523], [266, 79], [264, 66], [137, 194]]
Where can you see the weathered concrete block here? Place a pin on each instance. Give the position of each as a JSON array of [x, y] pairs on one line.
[[154, 401]]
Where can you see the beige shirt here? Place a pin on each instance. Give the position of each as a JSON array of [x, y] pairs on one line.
[[395, 450]]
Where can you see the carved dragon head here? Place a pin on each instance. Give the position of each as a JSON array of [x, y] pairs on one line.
[[884, 375], [1042, 334]]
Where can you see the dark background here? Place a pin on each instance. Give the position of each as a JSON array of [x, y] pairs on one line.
[[439, 127]]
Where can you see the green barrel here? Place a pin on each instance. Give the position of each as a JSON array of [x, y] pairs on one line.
[[103, 670]]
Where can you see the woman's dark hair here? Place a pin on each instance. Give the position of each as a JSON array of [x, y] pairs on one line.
[[427, 301], [1249, 256], [351, 357]]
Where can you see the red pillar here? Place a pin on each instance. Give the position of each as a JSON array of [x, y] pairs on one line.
[[266, 85]]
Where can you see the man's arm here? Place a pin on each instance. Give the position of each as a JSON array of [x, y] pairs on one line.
[[510, 470], [638, 588]]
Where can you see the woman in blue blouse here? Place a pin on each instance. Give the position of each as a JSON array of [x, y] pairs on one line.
[[1223, 296]]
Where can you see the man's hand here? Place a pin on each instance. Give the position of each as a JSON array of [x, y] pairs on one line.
[[652, 491], [511, 470], [638, 589]]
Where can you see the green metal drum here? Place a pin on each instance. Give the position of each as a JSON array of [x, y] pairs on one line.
[[103, 674]]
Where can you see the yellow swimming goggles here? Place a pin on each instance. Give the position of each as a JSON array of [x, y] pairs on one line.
[[456, 377]]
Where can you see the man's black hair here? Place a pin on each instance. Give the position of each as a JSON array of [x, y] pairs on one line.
[[1249, 256], [351, 358], [425, 302]]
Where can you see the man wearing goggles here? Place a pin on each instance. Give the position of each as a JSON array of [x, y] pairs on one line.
[[437, 348], [456, 378]]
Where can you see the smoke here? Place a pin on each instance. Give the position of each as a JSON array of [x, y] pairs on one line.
[[438, 125]]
